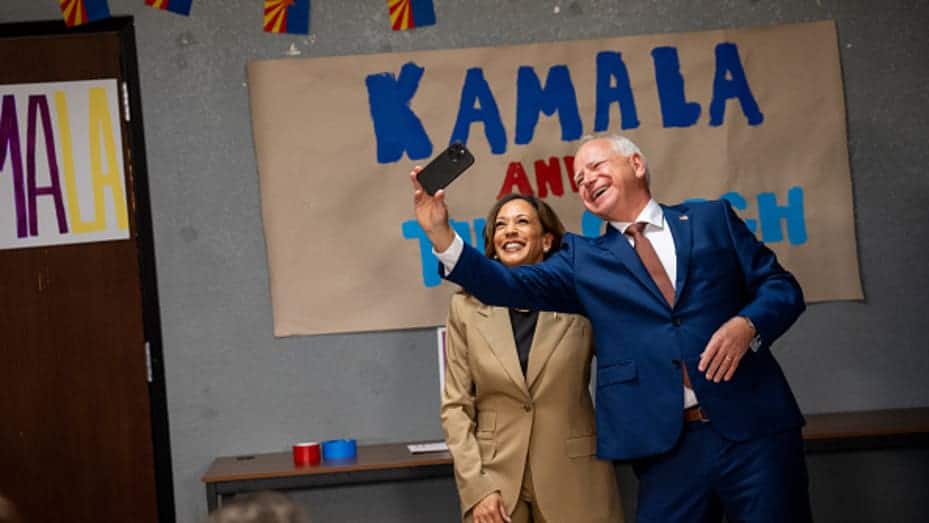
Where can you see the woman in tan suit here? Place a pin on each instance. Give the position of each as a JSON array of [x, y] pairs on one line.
[[516, 409]]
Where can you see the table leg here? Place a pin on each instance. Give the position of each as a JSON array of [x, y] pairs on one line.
[[212, 499]]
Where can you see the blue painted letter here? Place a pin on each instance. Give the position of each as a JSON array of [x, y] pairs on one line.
[[730, 82], [479, 224], [429, 264], [676, 111], [739, 204], [478, 105], [396, 126], [558, 95], [771, 214], [591, 225], [613, 86]]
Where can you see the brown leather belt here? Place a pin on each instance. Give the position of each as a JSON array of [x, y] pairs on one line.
[[695, 413]]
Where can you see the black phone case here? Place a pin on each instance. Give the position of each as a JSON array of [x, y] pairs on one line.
[[445, 167]]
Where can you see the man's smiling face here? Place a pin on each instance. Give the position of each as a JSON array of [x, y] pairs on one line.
[[611, 185]]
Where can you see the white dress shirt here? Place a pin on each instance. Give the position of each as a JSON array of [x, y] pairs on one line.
[[657, 232]]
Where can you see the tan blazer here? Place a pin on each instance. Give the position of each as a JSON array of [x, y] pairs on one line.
[[496, 421]]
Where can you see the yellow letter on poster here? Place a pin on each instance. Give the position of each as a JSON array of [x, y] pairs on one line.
[[101, 125], [78, 225]]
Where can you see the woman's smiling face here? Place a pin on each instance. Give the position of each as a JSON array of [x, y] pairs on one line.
[[518, 235]]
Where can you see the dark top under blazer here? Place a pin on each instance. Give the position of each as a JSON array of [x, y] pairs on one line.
[[722, 271]]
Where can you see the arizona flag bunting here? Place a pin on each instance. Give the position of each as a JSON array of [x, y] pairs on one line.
[[287, 16], [181, 7], [78, 12], [407, 14]]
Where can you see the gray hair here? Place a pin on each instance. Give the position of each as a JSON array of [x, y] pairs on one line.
[[260, 507], [621, 145]]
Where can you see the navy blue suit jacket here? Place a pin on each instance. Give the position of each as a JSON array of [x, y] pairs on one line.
[[722, 271]]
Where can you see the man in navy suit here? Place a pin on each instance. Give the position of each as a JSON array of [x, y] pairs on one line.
[[685, 304]]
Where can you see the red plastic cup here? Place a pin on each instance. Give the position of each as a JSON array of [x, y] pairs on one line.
[[306, 454]]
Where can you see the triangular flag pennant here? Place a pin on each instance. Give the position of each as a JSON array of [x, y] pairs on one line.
[[287, 16], [181, 7], [409, 14], [79, 12]]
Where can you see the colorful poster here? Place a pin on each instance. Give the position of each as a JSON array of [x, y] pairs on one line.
[[62, 178], [755, 116]]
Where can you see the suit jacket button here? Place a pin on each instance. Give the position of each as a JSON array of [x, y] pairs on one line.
[[676, 322], [527, 407], [676, 363]]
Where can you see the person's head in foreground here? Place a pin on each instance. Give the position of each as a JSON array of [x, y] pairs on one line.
[[261, 507]]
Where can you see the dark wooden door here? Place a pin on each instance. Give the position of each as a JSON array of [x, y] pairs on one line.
[[76, 441]]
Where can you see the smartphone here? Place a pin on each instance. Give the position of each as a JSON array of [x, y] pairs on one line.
[[445, 167]]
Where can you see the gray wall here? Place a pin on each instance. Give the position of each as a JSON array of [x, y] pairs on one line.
[[233, 388]]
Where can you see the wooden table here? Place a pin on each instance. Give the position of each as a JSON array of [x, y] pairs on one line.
[[232, 475], [227, 476], [867, 430]]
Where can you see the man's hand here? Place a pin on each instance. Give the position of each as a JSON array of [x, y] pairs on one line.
[[723, 353], [490, 510], [432, 214]]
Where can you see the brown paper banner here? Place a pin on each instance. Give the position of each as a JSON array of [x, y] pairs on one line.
[[753, 115]]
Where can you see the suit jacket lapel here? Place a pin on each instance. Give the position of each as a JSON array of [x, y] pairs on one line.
[[498, 331], [682, 232], [549, 331], [619, 246]]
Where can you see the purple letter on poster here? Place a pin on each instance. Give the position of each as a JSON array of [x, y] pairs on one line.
[[39, 103], [9, 143]]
